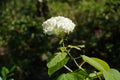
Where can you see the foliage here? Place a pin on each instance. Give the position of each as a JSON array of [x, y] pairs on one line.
[[7, 74], [58, 61], [23, 43], [112, 74]]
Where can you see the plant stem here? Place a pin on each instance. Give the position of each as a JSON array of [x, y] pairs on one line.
[[78, 57], [68, 68], [76, 63], [74, 60], [98, 75], [62, 41], [82, 63], [95, 75]]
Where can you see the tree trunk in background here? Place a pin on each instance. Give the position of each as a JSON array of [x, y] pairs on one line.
[[42, 8]]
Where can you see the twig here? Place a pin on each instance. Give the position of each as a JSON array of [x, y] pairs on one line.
[[98, 75], [82, 63], [68, 68]]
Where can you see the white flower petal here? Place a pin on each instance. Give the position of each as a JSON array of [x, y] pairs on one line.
[[58, 25]]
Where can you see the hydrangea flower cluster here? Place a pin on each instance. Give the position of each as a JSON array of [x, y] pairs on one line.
[[58, 25]]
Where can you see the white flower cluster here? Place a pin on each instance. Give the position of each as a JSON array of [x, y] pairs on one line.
[[58, 25]]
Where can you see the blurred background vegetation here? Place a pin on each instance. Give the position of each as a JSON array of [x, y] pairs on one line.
[[24, 45]]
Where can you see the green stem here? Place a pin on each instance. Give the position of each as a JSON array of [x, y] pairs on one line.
[[62, 41], [68, 68], [96, 75], [74, 61], [82, 63], [78, 57]]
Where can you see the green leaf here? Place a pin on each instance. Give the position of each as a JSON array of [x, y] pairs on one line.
[[4, 71], [108, 76], [80, 75], [75, 47], [96, 63], [56, 67], [112, 74], [81, 46], [62, 49], [95, 74], [12, 68], [66, 77], [57, 62], [77, 75], [102, 63], [56, 59], [116, 74]]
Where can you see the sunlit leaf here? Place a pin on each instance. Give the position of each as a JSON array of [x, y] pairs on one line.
[[66, 77], [102, 63], [79, 75], [56, 59], [4, 73], [62, 49], [75, 47], [96, 63], [112, 74], [57, 62], [56, 67]]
